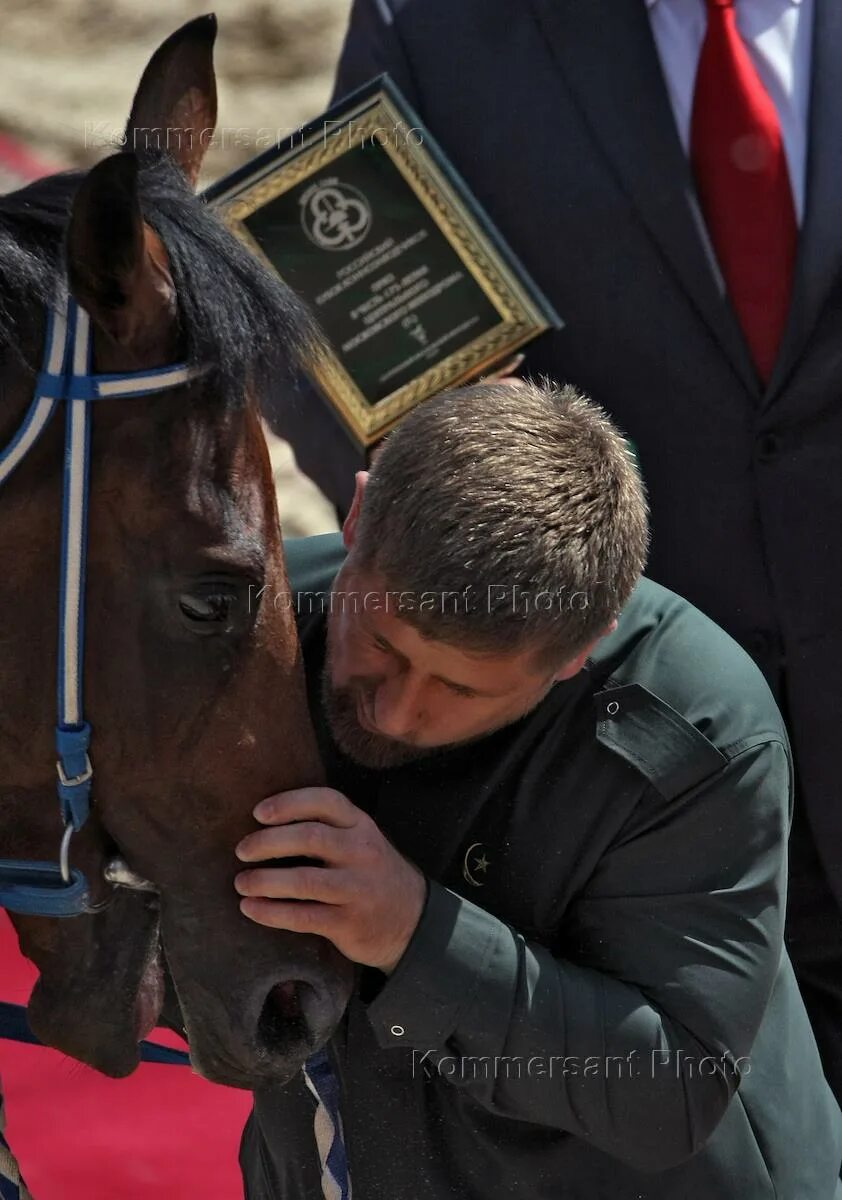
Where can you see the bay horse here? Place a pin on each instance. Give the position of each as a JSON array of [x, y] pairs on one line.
[[193, 689]]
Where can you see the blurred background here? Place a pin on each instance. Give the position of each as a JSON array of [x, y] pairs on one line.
[[68, 70]]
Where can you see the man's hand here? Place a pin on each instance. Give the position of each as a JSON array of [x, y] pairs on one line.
[[365, 898]]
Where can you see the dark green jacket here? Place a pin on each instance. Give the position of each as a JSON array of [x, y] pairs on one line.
[[596, 1002]]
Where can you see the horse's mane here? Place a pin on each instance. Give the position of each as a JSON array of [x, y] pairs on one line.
[[237, 319]]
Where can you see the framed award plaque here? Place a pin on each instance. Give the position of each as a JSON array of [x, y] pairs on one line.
[[415, 291]]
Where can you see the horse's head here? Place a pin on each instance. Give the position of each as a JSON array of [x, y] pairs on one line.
[[192, 685]]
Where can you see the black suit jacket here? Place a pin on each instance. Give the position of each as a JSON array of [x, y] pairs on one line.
[[556, 113]]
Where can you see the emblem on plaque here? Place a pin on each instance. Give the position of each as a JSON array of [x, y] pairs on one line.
[[335, 215]]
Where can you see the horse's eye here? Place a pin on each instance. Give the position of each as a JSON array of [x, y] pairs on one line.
[[209, 610]]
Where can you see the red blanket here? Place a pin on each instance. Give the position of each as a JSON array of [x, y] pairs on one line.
[[163, 1132]]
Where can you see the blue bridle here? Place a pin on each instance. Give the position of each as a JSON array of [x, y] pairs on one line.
[[48, 889]]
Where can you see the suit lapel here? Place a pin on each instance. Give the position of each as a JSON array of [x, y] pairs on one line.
[[820, 244], [610, 63]]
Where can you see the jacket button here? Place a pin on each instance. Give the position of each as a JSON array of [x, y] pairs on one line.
[[613, 708], [398, 1030], [768, 447]]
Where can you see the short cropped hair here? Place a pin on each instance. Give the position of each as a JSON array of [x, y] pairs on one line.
[[506, 516]]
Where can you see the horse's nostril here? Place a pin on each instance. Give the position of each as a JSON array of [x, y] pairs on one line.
[[283, 1020], [286, 998]]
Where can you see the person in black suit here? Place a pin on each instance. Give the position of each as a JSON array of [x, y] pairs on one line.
[[670, 172]]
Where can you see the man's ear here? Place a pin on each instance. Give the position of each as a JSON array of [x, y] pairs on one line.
[[575, 665], [349, 525]]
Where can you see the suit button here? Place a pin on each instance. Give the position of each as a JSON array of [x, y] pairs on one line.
[[768, 447]]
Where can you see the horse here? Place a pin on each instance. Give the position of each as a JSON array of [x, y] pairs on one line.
[[193, 685]]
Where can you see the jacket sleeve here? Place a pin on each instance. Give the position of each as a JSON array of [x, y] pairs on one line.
[[373, 47], [633, 1032]]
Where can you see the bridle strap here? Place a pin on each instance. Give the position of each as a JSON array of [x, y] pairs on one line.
[[44, 399], [53, 889], [73, 734]]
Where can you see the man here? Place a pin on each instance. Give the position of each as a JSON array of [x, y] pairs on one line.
[[670, 172], [554, 842]]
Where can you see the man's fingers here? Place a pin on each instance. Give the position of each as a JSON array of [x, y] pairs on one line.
[[320, 919], [304, 839], [308, 804], [294, 883], [504, 372]]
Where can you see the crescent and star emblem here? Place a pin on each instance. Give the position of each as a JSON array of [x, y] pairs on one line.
[[475, 864]]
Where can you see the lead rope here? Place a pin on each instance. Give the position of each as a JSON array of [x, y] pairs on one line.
[[12, 1186], [327, 1123]]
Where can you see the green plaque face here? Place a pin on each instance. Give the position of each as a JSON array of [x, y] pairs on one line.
[[386, 285], [411, 285]]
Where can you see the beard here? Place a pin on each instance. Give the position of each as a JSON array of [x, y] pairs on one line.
[[361, 745], [374, 750]]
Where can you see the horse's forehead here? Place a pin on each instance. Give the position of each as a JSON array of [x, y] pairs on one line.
[[198, 473]]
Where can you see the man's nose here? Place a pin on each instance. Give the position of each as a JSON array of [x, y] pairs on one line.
[[397, 707]]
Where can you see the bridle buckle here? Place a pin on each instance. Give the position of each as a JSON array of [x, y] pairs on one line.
[[75, 780]]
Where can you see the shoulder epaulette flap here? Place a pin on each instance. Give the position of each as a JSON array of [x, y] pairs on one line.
[[656, 739]]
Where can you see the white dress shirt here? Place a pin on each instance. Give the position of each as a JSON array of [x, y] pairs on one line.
[[778, 36]]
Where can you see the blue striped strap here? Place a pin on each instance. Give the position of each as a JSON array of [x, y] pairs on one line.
[[14, 1027], [321, 1079]]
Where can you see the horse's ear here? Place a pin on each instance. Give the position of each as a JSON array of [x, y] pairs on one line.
[[116, 265], [174, 107]]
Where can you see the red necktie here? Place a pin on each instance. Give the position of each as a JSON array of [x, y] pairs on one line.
[[743, 184]]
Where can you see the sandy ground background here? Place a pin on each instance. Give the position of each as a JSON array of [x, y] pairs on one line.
[[68, 70]]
